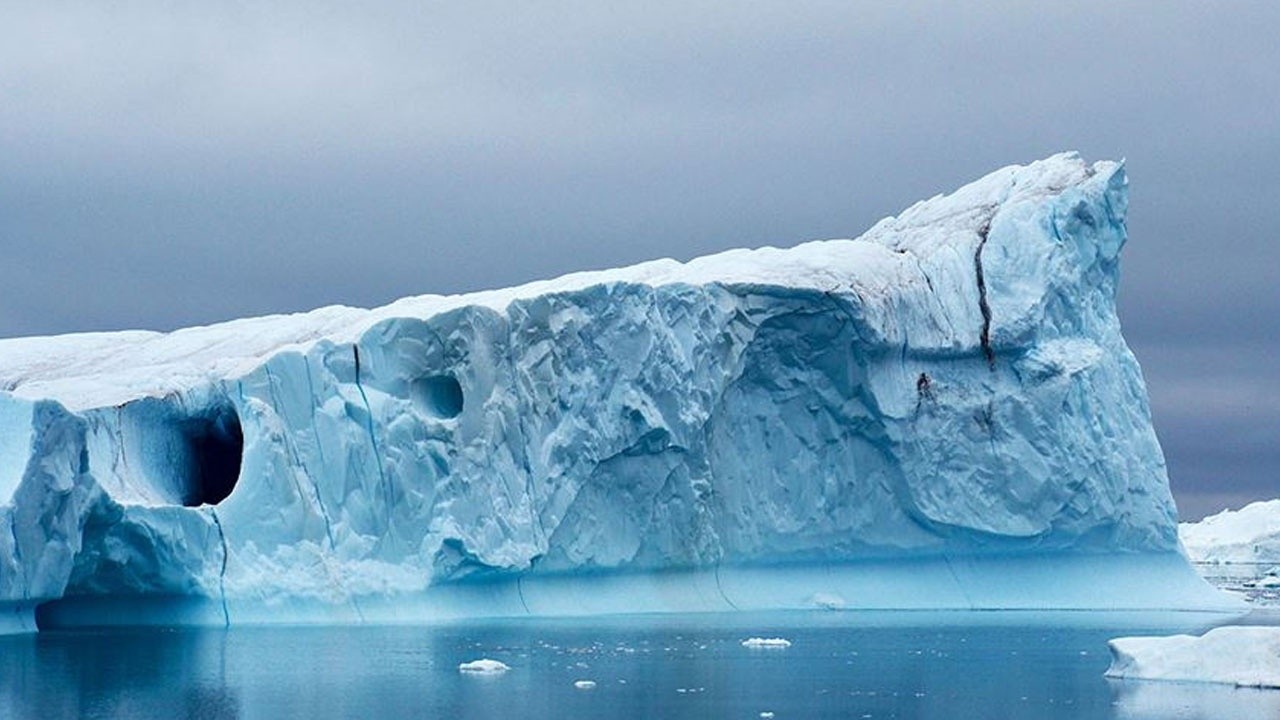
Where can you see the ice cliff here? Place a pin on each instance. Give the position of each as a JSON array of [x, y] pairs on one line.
[[941, 413]]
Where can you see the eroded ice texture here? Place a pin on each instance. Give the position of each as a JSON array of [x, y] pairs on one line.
[[941, 413]]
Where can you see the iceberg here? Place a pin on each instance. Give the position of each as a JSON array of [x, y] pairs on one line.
[[1233, 655], [1239, 550], [939, 414], [1248, 536]]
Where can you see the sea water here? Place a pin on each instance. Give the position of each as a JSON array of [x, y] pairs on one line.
[[838, 664]]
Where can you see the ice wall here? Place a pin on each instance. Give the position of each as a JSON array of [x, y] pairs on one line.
[[946, 400]]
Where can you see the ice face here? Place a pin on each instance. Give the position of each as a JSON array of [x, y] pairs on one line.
[[950, 390]]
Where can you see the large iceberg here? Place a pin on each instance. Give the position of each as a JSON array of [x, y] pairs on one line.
[[939, 414]]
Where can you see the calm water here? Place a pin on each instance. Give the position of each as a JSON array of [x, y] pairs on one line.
[[900, 665]]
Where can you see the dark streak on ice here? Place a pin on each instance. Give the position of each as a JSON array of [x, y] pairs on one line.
[[373, 438], [222, 574], [985, 338]]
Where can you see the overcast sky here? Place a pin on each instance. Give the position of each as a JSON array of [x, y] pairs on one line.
[[177, 163]]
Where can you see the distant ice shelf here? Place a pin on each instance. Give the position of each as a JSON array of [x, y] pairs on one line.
[[941, 413]]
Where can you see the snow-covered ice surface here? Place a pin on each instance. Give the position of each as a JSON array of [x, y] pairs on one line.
[[941, 414], [1239, 550], [1233, 655]]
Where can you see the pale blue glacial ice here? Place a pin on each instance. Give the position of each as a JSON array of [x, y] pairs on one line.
[[941, 413]]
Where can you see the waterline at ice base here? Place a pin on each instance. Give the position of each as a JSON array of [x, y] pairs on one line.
[[939, 415]]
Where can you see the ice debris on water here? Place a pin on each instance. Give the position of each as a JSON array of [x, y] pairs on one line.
[[585, 684], [827, 601], [760, 642], [483, 666]]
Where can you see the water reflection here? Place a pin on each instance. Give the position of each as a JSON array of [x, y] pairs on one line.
[[118, 674], [1137, 700], [839, 665]]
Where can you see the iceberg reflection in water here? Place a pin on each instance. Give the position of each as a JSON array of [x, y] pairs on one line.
[[1144, 700]]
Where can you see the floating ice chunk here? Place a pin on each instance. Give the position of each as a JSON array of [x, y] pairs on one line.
[[759, 642], [1241, 656], [766, 715], [827, 601], [483, 666], [585, 684]]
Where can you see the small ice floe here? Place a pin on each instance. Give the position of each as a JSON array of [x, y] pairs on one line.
[[585, 684], [759, 642], [766, 715], [1233, 655], [827, 601], [483, 666]]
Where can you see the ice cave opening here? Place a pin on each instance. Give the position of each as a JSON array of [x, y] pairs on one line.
[[438, 395], [216, 444]]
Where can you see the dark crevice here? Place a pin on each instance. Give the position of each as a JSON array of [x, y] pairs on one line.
[[291, 444], [222, 574], [983, 307], [315, 434], [720, 589], [373, 438], [520, 592]]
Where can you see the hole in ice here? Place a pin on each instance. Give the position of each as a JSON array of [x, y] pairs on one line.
[[216, 444], [438, 395]]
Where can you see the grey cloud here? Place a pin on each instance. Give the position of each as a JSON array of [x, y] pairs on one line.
[[175, 163]]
